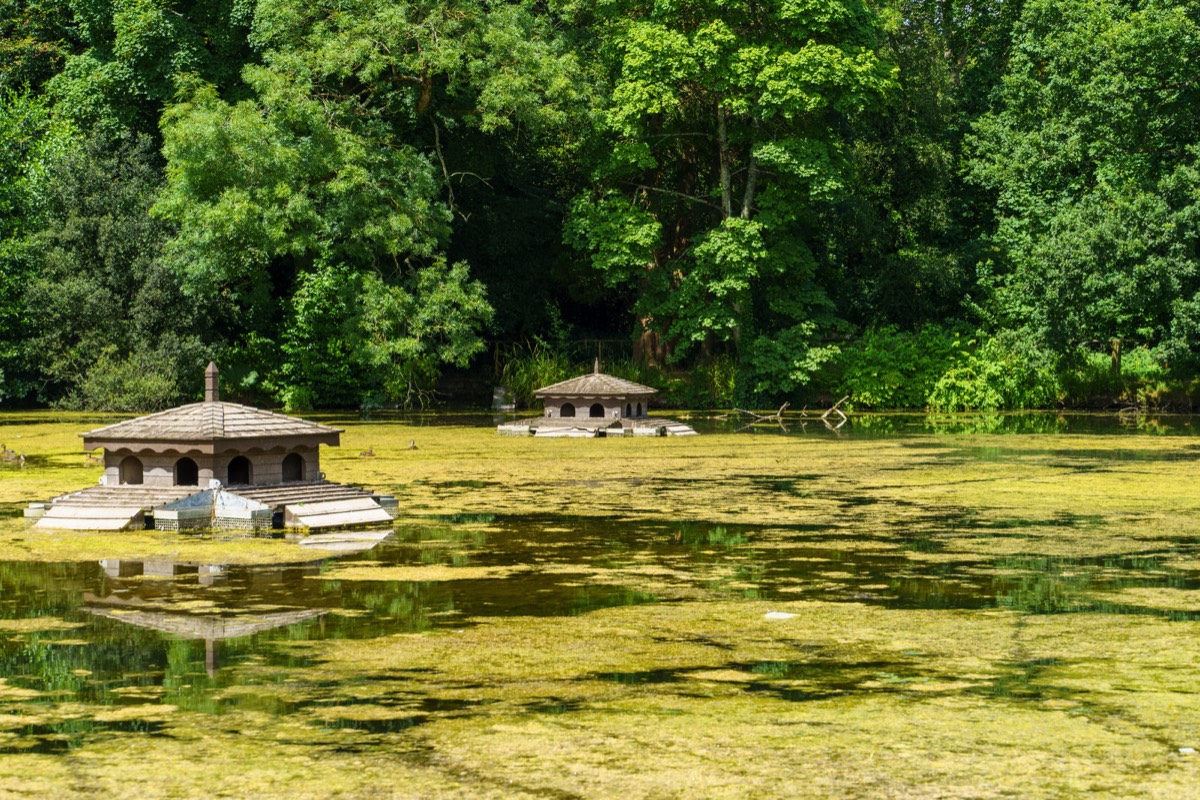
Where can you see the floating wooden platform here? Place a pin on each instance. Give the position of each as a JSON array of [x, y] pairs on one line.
[[313, 505], [590, 428]]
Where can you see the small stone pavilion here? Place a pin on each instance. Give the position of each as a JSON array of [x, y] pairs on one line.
[[596, 405], [213, 464]]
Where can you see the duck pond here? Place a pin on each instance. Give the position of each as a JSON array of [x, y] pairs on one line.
[[902, 607]]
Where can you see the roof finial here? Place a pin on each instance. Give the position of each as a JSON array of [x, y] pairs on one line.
[[596, 366], [212, 391]]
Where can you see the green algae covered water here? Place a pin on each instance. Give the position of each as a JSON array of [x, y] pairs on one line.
[[959, 607]]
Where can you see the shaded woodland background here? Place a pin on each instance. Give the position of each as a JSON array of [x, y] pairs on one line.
[[921, 204]]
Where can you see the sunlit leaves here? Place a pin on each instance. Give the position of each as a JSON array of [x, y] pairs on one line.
[[619, 232], [723, 138], [1092, 154], [136, 50]]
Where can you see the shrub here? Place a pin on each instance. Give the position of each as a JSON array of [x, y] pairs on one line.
[[890, 368], [139, 382], [536, 364], [1143, 378], [1009, 371], [716, 380]]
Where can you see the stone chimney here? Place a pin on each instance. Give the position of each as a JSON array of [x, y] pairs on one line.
[[212, 391]]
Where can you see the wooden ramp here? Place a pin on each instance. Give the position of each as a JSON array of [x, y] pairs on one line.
[[679, 429], [91, 518], [144, 497], [335, 513], [285, 494]]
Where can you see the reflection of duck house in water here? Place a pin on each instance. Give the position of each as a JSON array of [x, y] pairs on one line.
[[596, 405], [213, 465], [178, 615]]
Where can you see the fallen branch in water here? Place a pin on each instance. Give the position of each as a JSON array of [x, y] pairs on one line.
[[836, 408], [776, 417]]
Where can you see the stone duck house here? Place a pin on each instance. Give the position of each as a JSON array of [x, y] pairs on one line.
[[213, 465], [596, 405]]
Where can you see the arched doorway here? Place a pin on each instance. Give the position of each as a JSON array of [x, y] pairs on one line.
[[240, 472], [186, 472], [131, 470], [293, 468], [567, 410], [597, 410], [639, 409], [628, 410]]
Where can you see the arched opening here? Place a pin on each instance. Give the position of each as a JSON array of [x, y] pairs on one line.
[[628, 410], [597, 410], [186, 472], [240, 472], [293, 468], [639, 409], [131, 470], [567, 410]]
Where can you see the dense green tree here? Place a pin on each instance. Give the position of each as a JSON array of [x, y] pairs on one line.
[[722, 134], [911, 229], [1092, 154], [30, 142], [132, 53], [36, 38], [337, 168], [298, 190], [109, 326]]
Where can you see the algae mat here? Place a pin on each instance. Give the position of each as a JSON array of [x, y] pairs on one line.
[[876, 613]]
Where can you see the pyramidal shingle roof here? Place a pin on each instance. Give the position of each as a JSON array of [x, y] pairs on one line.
[[596, 384], [210, 420]]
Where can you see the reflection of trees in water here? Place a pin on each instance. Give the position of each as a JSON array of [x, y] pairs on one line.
[[1061, 585]]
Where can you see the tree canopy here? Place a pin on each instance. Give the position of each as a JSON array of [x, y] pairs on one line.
[[768, 200]]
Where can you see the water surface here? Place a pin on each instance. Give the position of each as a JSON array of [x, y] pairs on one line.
[[586, 626]]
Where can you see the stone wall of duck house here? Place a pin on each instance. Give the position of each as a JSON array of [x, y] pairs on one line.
[[159, 470], [613, 409]]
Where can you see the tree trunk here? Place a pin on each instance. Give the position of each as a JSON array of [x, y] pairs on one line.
[[751, 179], [726, 180]]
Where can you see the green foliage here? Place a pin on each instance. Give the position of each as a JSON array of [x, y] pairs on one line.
[[1093, 159], [890, 368], [353, 339], [249, 185], [716, 380], [103, 298], [534, 365], [134, 52], [36, 38], [784, 362], [143, 381], [1138, 376], [910, 230], [434, 317], [736, 188], [26, 144], [319, 343], [719, 139], [1008, 371]]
